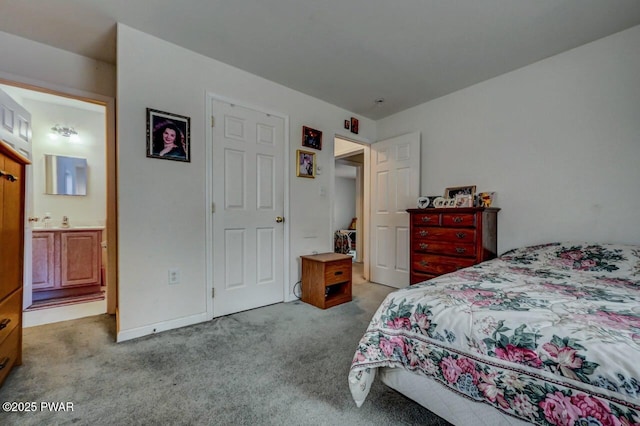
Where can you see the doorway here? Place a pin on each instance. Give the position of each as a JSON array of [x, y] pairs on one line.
[[350, 205], [58, 290]]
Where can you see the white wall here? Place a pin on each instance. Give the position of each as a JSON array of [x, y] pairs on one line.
[[344, 202], [161, 204], [30, 62], [558, 140], [81, 210]]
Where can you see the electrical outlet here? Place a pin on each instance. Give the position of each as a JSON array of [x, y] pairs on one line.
[[174, 276]]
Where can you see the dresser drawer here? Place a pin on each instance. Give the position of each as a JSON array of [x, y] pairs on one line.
[[417, 277], [10, 314], [9, 353], [430, 219], [461, 219], [445, 234], [337, 272], [438, 265], [446, 248]]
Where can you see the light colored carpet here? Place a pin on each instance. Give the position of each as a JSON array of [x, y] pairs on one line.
[[284, 364]]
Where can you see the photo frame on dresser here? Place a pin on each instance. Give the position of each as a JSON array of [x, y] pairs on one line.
[[464, 200], [452, 192]]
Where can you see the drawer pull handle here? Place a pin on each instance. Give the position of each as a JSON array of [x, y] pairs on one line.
[[423, 246], [423, 263], [8, 176], [426, 218], [423, 233], [338, 273], [461, 235], [4, 362], [457, 219], [4, 323], [460, 250]]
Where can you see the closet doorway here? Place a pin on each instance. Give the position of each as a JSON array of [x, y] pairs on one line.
[[351, 184]]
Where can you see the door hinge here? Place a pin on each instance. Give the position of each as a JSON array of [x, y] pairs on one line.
[[213, 121], [213, 293]]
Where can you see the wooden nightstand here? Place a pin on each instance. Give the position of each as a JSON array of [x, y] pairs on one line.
[[326, 279]]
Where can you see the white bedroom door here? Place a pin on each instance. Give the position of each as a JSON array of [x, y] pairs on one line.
[[395, 187], [248, 218], [15, 129]]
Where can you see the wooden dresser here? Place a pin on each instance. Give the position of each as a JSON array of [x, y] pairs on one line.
[[326, 279], [12, 189], [447, 239]]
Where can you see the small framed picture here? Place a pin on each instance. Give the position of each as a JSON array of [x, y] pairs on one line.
[[305, 164], [347, 124], [464, 200], [311, 138], [460, 190], [168, 136], [354, 125]]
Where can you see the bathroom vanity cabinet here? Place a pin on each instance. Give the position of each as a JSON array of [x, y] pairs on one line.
[[66, 262]]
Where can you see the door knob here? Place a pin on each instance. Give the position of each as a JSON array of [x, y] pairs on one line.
[[279, 219]]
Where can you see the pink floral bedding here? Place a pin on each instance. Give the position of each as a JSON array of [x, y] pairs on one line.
[[549, 334]]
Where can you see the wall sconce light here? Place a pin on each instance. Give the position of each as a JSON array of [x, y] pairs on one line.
[[67, 132]]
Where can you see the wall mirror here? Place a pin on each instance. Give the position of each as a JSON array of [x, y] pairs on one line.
[[65, 175]]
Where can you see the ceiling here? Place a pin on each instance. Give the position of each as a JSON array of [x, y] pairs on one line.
[[346, 52]]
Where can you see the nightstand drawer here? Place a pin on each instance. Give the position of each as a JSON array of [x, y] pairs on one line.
[[446, 248], [438, 265], [337, 272], [444, 234]]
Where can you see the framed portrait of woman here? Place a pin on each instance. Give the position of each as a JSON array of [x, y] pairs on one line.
[[168, 136]]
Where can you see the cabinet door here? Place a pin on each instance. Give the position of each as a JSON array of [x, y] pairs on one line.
[[80, 258], [11, 226], [44, 260]]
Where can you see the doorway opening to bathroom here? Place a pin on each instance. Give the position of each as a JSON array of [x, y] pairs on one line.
[[67, 260]]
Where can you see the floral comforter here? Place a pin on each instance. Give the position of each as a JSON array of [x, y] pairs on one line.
[[549, 334]]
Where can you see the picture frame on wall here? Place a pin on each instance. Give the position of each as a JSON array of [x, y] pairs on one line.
[[311, 138], [460, 190], [354, 125], [305, 164], [168, 136]]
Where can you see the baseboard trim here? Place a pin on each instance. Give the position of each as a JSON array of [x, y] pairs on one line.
[[134, 333]]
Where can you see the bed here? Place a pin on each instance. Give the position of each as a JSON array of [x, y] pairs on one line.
[[546, 334]]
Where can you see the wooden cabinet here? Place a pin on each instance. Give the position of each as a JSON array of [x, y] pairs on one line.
[[66, 263], [326, 279], [445, 240], [11, 257]]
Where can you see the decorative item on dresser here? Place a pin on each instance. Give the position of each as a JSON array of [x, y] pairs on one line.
[[447, 239], [326, 279], [12, 193]]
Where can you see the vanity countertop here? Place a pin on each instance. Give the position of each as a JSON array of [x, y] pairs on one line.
[[70, 228]]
